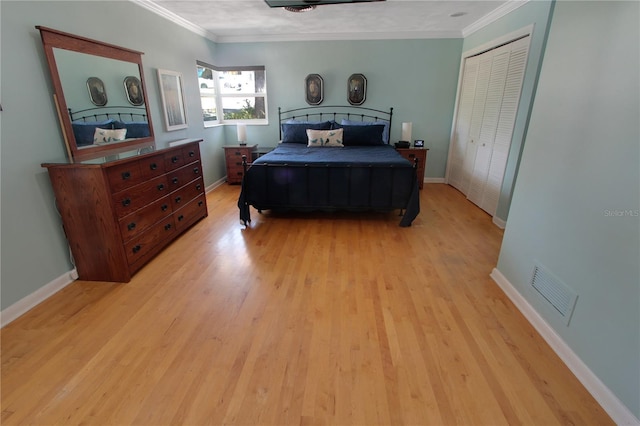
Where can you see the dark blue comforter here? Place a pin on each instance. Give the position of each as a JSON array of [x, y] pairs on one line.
[[355, 178]]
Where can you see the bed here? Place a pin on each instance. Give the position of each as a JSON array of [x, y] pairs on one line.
[[122, 122], [331, 159]]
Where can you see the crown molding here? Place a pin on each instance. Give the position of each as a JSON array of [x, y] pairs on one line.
[[401, 35], [158, 10], [489, 18]]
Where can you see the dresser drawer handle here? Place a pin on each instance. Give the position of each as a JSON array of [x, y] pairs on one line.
[[136, 249], [161, 187], [198, 186], [200, 203], [174, 180], [180, 218], [238, 153], [412, 156], [196, 170], [238, 164], [167, 227], [164, 207], [192, 153], [153, 166], [126, 175], [131, 226], [178, 199], [126, 202], [239, 173], [174, 159]]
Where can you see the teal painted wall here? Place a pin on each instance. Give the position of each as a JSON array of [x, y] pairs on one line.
[[34, 250], [576, 201], [418, 78], [536, 13]]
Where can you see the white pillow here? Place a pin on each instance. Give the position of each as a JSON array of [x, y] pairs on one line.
[[330, 138], [102, 136]]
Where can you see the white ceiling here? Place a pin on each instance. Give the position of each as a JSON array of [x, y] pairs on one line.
[[254, 20]]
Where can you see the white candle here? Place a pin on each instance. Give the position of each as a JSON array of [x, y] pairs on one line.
[[242, 132], [406, 132]]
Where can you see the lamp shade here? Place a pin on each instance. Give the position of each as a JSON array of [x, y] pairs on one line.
[[406, 132], [242, 132]]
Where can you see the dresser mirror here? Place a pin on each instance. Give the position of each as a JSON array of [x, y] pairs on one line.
[[99, 94]]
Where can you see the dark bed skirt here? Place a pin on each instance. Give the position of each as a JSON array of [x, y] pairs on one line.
[[330, 188]]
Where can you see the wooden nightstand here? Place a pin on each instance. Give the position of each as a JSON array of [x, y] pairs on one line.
[[233, 157], [421, 154]]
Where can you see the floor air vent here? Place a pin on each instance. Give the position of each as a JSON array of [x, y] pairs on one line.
[[557, 293]]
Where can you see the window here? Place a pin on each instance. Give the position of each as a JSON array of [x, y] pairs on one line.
[[232, 94]]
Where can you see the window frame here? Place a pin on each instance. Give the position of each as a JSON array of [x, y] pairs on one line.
[[219, 96]]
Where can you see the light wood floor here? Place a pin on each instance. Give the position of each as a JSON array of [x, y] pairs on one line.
[[334, 319]]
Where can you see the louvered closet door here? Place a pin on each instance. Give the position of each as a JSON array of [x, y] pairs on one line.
[[484, 133], [490, 116], [463, 121], [506, 122]]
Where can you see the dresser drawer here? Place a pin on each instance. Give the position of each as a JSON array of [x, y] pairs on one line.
[[135, 223], [137, 247], [136, 197], [152, 166], [174, 159], [191, 153], [190, 213], [124, 176], [187, 193], [181, 176]]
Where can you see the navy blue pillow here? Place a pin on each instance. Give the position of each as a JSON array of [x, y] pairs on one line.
[[84, 130], [297, 132], [385, 133], [135, 129], [362, 135]]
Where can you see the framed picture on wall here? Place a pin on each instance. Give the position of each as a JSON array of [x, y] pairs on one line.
[[356, 89], [97, 92], [314, 89], [133, 90], [172, 94]]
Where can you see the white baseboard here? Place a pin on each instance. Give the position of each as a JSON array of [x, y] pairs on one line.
[[40, 295], [433, 180], [619, 413], [215, 184], [499, 222]]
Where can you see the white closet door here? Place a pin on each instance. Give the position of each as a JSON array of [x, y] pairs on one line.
[[475, 124], [463, 120], [504, 132], [491, 115]]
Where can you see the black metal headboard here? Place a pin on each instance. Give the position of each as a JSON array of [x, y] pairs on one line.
[[335, 113], [121, 113]]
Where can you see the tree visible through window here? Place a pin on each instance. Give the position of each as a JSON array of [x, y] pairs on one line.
[[232, 94]]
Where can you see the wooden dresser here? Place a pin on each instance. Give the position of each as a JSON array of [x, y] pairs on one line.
[[233, 157], [118, 215], [421, 154]]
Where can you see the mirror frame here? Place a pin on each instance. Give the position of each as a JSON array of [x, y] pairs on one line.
[[57, 39]]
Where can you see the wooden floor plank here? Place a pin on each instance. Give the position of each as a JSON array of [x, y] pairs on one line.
[[321, 318]]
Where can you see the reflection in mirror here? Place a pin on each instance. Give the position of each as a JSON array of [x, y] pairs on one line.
[[100, 95]]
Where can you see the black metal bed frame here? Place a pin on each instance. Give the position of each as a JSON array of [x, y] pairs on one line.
[[115, 112]]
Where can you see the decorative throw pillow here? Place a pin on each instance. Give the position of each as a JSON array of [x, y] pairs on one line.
[[102, 136], [331, 138]]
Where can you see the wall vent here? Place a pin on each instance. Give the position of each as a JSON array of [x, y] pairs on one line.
[[554, 291]]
